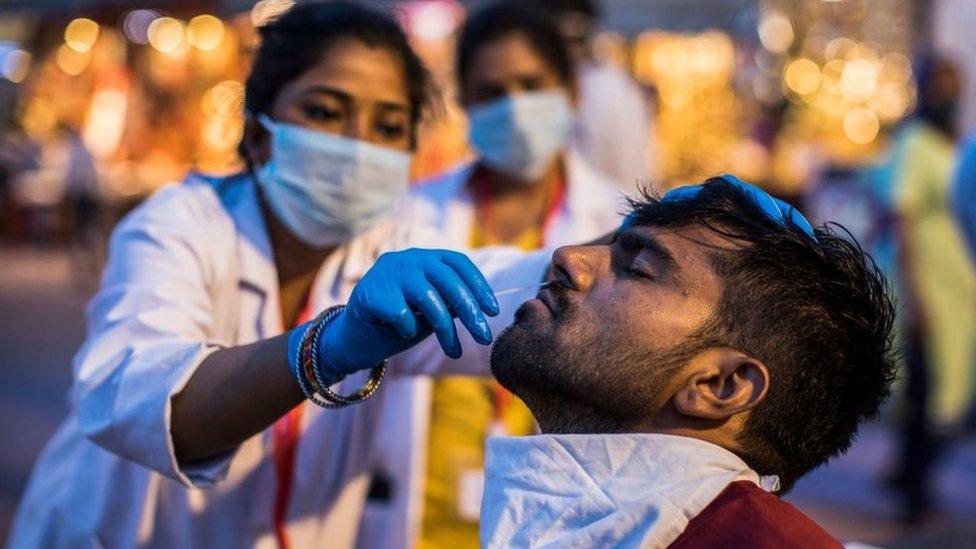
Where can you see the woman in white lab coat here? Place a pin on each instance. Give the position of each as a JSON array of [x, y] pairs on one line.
[[528, 188], [183, 381]]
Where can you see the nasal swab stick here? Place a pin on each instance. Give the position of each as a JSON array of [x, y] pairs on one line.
[[514, 290]]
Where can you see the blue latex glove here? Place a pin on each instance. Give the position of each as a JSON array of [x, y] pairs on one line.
[[776, 209], [380, 321]]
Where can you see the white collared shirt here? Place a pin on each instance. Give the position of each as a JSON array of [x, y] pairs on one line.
[[621, 490]]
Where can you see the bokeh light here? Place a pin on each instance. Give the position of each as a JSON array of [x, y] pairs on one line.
[[70, 60], [802, 76], [135, 26], [775, 32], [858, 80], [205, 32], [105, 122], [81, 34], [861, 126], [892, 101], [15, 65], [840, 48], [166, 34]]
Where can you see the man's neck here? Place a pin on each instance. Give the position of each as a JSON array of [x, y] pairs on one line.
[[569, 419]]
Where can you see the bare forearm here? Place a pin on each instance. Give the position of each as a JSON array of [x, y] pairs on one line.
[[234, 394]]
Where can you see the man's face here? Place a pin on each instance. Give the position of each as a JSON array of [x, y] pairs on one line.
[[608, 339]]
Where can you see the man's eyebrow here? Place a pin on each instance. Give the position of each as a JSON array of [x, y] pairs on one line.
[[633, 241]]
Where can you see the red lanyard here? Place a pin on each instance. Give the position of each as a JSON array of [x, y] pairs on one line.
[[481, 187], [286, 432]]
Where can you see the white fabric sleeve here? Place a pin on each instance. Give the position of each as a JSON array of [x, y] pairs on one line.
[[504, 268], [148, 332]]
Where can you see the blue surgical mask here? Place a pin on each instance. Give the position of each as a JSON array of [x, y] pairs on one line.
[[522, 134], [327, 188]]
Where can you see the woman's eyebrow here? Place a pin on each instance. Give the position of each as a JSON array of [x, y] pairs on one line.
[[348, 98], [326, 90]]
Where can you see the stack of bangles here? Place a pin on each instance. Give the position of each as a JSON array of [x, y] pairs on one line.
[[308, 371]]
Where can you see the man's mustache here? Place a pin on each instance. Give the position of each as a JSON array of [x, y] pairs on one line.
[[557, 295]]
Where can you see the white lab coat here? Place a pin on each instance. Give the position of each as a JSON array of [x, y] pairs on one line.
[[615, 125], [592, 208], [623, 490], [191, 271]]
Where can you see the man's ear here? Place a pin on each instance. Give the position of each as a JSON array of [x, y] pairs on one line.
[[256, 141], [721, 383]]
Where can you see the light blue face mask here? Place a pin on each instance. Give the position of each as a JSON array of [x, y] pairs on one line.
[[522, 134], [327, 188]]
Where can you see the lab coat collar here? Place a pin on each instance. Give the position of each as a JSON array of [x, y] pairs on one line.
[[239, 194], [625, 490], [584, 184], [337, 276]]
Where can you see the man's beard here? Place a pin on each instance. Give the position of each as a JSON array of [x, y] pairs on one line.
[[581, 376]]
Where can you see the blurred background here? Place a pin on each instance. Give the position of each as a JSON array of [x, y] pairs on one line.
[[818, 101]]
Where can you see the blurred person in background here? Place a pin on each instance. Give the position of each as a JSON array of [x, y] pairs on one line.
[[615, 121], [17, 155], [964, 194], [615, 118], [50, 187], [938, 286], [528, 188], [189, 425]]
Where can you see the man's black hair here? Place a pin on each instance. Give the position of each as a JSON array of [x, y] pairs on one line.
[[815, 311], [299, 38], [499, 21]]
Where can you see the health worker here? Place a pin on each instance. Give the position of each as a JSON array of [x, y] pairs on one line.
[[527, 188], [189, 424]]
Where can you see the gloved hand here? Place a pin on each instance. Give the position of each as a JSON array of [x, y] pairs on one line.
[[380, 321]]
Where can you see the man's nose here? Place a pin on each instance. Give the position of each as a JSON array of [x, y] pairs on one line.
[[578, 267]]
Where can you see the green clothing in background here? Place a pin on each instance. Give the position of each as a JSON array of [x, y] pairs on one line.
[[939, 272]]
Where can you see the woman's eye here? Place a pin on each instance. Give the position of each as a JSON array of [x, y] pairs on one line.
[[321, 113], [392, 131]]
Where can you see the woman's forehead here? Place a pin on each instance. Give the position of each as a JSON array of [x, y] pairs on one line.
[[365, 74]]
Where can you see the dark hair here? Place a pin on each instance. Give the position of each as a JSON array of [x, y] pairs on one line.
[[587, 8], [935, 105], [296, 40], [500, 21], [816, 312], [574, 18]]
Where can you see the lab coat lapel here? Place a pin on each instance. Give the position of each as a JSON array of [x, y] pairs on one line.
[[258, 280], [573, 222]]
